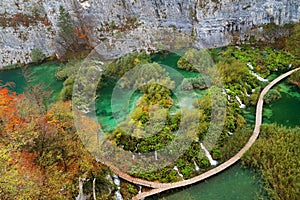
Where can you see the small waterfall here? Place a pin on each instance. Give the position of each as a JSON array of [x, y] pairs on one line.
[[228, 97], [223, 91], [230, 133], [250, 65], [240, 102], [117, 182], [176, 169], [132, 155], [140, 191], [118, 195], [136, 149], [248, 95], [290, 66], [258, 77], [155, 155], [196, 166], [207, 154]]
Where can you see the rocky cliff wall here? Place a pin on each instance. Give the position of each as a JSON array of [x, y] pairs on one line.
[[25, 24]]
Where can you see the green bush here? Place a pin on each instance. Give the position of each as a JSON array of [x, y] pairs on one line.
[[67, 91]]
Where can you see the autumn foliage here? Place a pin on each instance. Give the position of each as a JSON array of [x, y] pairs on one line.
[[9, 117], [41, 155]]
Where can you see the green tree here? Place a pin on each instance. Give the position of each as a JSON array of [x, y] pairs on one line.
[[67, 28], [37, 56], [196, 60], [293, 42]]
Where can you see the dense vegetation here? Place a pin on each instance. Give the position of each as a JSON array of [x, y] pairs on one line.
[[236, 67], [41, 155], [276, 155], [229, 71], [293, 46]]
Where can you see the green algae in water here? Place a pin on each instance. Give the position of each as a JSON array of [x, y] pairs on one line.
[[234, 183]]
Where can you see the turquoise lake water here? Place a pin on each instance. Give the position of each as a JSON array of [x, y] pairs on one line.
[[234, 183], [285, 111], [44, 73]]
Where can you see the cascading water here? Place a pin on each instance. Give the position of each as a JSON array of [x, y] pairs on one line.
[[207, 154], [140, 191], [155, 155], [230, 133], [240, 102], [197, 168], [258, 77], [176, 169], [223, 91], [250, 66], [117, 183]]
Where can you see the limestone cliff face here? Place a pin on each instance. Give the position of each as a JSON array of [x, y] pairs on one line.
[[25, 24]]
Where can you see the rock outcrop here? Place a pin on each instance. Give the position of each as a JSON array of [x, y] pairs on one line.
[[28, 24]]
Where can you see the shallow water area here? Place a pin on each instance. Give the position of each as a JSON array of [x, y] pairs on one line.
[[286, 110], [44, 73], [235, 183]]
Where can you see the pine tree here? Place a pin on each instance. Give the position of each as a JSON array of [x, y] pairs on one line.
[[66, 26]]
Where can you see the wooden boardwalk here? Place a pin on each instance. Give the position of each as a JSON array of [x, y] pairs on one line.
[[160, 187]]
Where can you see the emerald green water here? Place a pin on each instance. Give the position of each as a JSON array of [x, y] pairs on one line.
[[285, 111], [44, 73], [104, 111], [236, 183], [109, 117]]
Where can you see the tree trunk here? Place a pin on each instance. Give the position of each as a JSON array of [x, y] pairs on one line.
[[94, 188], [80, 188]]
